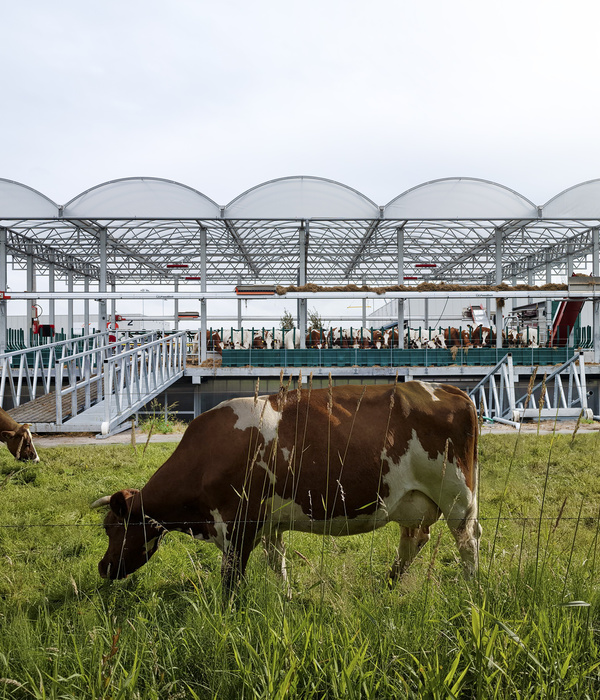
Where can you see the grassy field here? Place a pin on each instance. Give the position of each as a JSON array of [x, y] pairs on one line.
[[527, 628]]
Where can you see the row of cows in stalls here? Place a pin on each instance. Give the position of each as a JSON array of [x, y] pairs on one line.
[[364, 338]]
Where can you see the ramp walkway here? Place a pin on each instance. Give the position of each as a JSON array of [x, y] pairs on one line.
[[89, 384]]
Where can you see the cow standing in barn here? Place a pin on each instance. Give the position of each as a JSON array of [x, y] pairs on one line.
[[17, 438], [341, 461]]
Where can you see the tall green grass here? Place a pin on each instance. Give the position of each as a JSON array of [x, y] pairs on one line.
[[527, 628]]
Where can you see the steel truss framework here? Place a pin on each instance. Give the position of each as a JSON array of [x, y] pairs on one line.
[[372, 245]]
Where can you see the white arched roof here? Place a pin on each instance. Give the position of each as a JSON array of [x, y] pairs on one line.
[[141, 198], [579, 202], [152, 223], [21, 202], [460, 198], [301, 198]]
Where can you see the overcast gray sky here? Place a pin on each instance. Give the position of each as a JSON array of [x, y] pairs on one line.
[[222, 96]]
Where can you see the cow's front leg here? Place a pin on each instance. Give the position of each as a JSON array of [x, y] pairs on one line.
[[275, 551], [467, 535], [412, 540], [233, 564]]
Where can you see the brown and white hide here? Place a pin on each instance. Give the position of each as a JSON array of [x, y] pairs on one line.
[[252, 468]]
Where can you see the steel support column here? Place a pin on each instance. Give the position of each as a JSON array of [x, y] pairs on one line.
[[176, 303], [203, 288], [499, 307], [302, 303], [596, 302], [113, 309], [3, 287], [52, 288], [400, 248], [102, 288], [70, 305], [31, 287], [86, 308]]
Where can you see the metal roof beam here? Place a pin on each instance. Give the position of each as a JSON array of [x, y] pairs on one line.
[[362, 246], [94, 230], [506, 230], [552, 254], [242, 248], [19, 244]]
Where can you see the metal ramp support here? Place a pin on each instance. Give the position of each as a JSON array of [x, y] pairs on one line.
[[559, 403], [496, 396]]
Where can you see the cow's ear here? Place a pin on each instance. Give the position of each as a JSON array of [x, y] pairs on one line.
[[120, 502], [6, 435]]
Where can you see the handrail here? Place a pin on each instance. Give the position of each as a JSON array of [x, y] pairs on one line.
[[133, 377], [84, 371], [44, 358]]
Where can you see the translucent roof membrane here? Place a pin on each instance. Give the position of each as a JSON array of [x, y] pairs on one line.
[[448, 229], [21, 202], [460, 198], [579, 202], [141, 198], [301, 198]]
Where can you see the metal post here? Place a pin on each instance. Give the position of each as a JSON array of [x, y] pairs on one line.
[[400, 243], [498, 256], [30, 288], [176, 303], [203, 312], [86, 308], [302, 303], [102, 282], [569, 260], [549, 318], [113, 309], [3, 286], [364, 307], [70, 305], [52, 288], [239, 308], [596, 302]]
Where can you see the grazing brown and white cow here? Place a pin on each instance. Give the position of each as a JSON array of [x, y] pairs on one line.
[[17, 438], [336, 462]]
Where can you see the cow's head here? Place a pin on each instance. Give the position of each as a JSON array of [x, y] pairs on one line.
[[20, 443], [133, 536]]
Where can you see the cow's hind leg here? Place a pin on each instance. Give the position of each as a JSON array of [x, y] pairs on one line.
[[412, 540]]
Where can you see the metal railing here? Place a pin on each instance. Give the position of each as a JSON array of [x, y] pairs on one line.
[[134, 377], [548, 398], [27, 370], [495, 394], [80, 376], [271, 347]]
